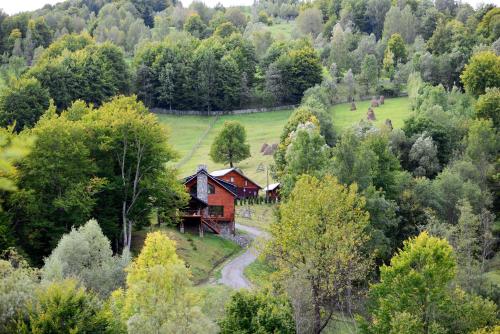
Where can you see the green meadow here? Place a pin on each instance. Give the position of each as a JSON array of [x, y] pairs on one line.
[[191, 136]]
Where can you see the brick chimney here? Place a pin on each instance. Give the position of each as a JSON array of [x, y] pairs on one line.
[[202, 183]]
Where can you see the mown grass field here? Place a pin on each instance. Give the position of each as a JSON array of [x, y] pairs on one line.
[[397, 110], [282, 30], [257, 215], [186, 131], [200, 254]]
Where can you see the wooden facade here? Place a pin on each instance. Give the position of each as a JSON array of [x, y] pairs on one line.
[[245, 187], [273, 192], [213, 210]]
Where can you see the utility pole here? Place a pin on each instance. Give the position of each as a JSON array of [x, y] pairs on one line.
[[267, 183]]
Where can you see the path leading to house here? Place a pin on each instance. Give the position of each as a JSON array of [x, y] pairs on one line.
[[232, 272]]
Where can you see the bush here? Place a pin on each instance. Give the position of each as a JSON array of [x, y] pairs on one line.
[[63, 307], [17, 282], [257, 313], [85, 253], [387, 88], [483, 71], [488, 105]]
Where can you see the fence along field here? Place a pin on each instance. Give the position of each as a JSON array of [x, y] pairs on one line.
[[192, 136]]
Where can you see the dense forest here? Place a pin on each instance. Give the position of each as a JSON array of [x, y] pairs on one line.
[[394, 229]]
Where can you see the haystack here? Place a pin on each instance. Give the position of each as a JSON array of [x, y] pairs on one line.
[[370, 115]]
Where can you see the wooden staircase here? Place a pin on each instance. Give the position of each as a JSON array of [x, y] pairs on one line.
[[211, 224]]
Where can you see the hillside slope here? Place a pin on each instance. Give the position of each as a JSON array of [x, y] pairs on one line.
[[186, 132]]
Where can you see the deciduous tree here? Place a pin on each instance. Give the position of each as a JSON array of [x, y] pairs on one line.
[[230, 145], [414, 294], [310, 21], [482, 71], [320, 235], [19, 281], [22, 103], [488, 105], [158, 297], [85, 254]]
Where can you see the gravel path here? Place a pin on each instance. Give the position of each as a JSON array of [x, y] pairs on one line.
[[232, 272]]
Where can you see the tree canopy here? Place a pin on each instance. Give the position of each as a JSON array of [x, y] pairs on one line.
[[230, 146]]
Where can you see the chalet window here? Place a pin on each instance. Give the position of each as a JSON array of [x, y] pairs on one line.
[[246, 182], [216, 210], [232, 179], [193, 190], [211, 189]]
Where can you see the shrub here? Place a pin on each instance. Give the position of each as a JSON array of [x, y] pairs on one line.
[[63, 307], [257, 313]]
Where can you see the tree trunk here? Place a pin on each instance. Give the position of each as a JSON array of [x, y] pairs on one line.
[[129, 234], [124, 223], [317, 310]]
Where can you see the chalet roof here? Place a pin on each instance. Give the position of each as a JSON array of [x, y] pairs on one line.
[[226, 185], [271, 187], [198, 200], [222, 172]]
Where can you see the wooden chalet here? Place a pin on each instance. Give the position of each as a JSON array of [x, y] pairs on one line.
[[245, 187], [272, 192], [212, 204]]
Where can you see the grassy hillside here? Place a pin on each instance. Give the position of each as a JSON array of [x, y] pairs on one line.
[[397, 110], [282, 30], [261, 128], [186, 132], [201, 254]]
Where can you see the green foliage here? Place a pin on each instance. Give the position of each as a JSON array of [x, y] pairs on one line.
[[85, 253], [223, 70], [368, 77], [69, 42], [225, 29], [94, 162], [13, 147], [301, 115], [389, 63], [18, 281], [339, 53], [307, 153], [310, 22], [365, 162], [63, 307], [482, 141], [414, 293], [423, 154], [397, 46], [158, 297], [294, 72], [248, 313], [195, 26], [488, 105], [443, 137], [93, 74], [58, 185], [489, 25], [482, 71], [236, 17], [22, 103], [230, 145], [319, 237]]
